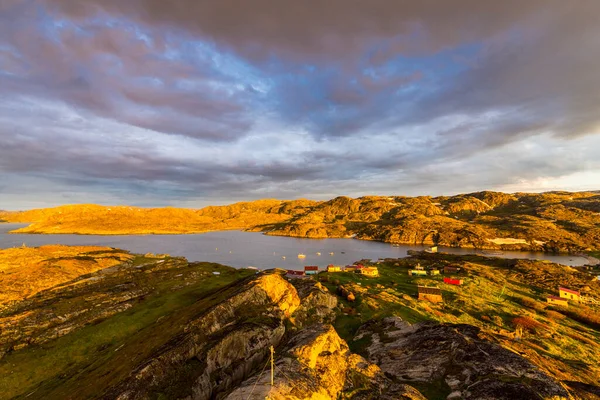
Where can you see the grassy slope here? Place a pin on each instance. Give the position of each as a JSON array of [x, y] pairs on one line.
[[494, 294], [106, 352]]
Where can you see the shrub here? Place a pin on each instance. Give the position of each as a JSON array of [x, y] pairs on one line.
[[530, 303], [554, 315], [528, 324], [584, 315], [576, 336]]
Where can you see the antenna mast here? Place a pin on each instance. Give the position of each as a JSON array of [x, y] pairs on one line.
[[272, 364]]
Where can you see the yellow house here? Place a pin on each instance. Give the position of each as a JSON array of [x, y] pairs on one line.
[[569, 294], [334, 268], [559, 301], [434, 272], [369, 271]]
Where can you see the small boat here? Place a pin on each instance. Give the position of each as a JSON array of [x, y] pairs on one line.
[[492, 253], [301, 255], [283, 257], [331, 253], [318, 253], [343, 252]]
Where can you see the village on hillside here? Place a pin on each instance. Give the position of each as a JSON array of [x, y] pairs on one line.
[[451, 274]]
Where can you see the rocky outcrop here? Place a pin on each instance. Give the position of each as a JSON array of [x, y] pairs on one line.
[[270, 290], [317, 304], [317, 364], [454, 357], [221, 347]]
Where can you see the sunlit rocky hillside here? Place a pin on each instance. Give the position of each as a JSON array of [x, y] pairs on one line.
[[556, 221]]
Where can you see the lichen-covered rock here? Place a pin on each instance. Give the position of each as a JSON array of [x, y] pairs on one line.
[[269, 290], [317, 304], [317, 364], [456, 357]]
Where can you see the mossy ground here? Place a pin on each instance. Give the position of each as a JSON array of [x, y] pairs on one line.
[[108, 350]]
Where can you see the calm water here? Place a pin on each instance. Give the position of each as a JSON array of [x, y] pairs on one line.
[[242, 249]]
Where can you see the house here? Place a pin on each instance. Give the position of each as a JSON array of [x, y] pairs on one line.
[[453, 281], [451, 269], [433, 294], [420, 272], [294, 273], [350, 268], [368, 271], [590, 300], [432, 249], [311, 269], [419, 267], [569, 294], [434, 272], [559, 301], [334, 268]]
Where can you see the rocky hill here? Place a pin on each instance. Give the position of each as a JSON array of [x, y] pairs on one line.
[[551, 222], [159, 327]]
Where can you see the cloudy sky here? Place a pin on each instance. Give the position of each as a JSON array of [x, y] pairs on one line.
[[187, 103]]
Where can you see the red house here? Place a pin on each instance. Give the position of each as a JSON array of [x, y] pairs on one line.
[[453, 281], [295, 273], [311, 269], [450, 269]]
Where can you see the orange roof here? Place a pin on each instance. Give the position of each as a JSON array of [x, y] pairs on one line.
[[311, 268]]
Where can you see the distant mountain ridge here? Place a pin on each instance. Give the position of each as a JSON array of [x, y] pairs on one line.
[[553, 221]]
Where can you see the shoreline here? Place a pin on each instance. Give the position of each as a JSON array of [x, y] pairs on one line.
[[592, 260]]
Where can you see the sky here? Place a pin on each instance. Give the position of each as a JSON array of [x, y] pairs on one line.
[[189, 103]]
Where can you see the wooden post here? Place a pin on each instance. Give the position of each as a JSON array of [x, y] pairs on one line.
[[272, 364]]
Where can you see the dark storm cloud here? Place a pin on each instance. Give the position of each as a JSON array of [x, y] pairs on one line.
[[117, 72], [322, 30], [283, 99]]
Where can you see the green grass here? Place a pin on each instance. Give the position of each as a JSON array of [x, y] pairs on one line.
[[52, 369], [394, 277]]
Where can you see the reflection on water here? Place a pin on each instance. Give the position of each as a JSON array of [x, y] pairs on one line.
[[242, 249]]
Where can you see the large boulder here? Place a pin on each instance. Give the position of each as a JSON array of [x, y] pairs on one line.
[[317, 305], [454, 357]]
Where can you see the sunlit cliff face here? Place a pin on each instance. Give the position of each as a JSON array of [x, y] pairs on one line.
[[186, 103]]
